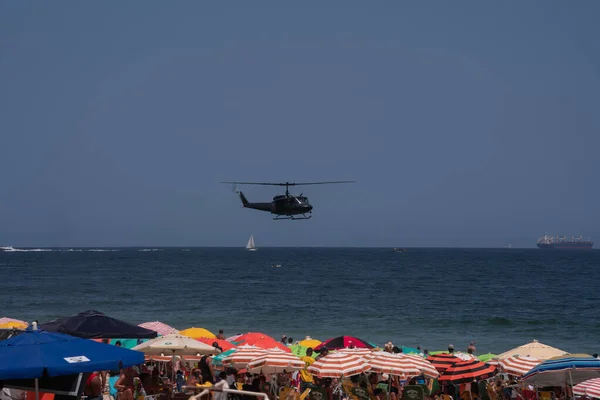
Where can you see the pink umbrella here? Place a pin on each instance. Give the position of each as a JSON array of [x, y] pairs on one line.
[[159, 327]]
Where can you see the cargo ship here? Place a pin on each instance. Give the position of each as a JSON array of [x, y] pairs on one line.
[[561, 242]]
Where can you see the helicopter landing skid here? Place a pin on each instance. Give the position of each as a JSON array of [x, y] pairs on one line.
[[293, 217]]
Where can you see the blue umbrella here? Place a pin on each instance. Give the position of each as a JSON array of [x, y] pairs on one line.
[[92, 324], [572, 369], [37, 353]]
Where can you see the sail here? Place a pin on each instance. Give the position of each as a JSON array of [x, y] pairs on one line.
[[250, 244]]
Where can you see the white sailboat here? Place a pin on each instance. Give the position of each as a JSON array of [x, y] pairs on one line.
[[250, 246]]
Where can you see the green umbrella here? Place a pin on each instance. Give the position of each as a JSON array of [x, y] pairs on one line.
[[127, 343], [218, 359], [410, 350], [433, 353], [487, 357], [299, 350]]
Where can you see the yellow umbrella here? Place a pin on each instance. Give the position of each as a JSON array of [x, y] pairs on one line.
[[309, 342], [196, 333], [13, 324]]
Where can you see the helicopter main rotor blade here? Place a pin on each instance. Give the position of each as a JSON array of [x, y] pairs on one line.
[[319, 183], [288, 183]]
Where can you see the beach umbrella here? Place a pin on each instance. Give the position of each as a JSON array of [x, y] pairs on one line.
[[252, 337], [441, 361], [261, 340], [487, 357], [467, 371], [424, 366], [571, 369], [341, 342], [196, 333], [393, 364], [518, 365], [93, 324], [275, 361], [5, 320], [125, 343], [242, 356], [410, 350], [36, 354], [159, 327], [175, 344], [590, 388], [218, 359], [534, 349], [338, 365], [298, 350], [309, 342], [13, 325], [223, 344], [360, 351]]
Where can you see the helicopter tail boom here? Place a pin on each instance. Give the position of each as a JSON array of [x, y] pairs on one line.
[[256, 206]]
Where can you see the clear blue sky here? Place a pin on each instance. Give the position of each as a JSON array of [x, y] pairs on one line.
[[472, 123]]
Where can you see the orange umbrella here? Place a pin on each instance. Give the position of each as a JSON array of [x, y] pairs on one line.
[[261, 340], [223, 344]]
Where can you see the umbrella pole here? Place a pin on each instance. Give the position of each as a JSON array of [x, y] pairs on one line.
[[37, 389]]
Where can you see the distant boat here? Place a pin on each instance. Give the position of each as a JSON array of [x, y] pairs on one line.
[[7, 248], [561, 242], [276, 265], [250, 246], [399, 250]]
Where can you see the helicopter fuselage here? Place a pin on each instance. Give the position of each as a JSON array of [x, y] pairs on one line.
[[282, 205]]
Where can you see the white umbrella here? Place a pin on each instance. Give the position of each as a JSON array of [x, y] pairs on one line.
[[275, 361], [175, 344], [534, 349], [337, 365]]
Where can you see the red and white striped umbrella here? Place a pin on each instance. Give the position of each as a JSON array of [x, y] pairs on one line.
[[159, 327], [424, 366], [337, 365], [357, 351], [590, 388], [275, 361], [518, 365], [243, 355], [393, 364]]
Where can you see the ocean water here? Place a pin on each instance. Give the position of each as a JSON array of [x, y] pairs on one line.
[[499, 298]]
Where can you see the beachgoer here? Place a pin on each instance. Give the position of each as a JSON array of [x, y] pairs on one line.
[[221, 384], [290, 341], [451, 348], [396, 350], [471, 348], [139, 393], [284, 339], [305, 376], [118, 343], [322, 353], [179, 380], [124, 384], [195, 378], [388, 347], [93, 386], [426, 353], [221, 336], [205, 366]]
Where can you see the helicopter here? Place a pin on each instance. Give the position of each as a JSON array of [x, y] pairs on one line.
[[283, 206]]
